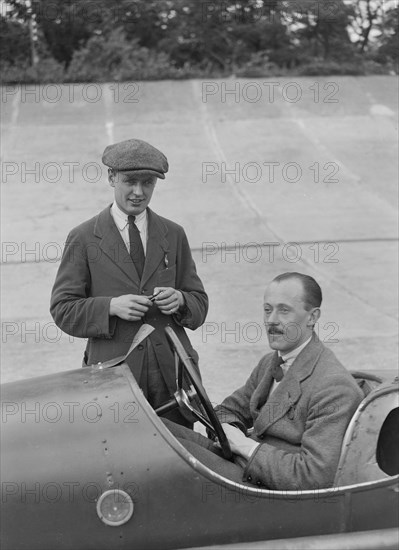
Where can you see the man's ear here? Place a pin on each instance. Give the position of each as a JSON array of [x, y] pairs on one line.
[[314, 316], [111, 177]]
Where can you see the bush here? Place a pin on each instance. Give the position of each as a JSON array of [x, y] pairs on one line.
[[47, 70], [114, 58], [356, 67], [258, 66]]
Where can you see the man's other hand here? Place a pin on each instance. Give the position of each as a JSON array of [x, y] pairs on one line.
[[130, 307], [239, 443], [168, 299]]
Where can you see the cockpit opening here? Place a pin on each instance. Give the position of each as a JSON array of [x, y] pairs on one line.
[[388, 444]]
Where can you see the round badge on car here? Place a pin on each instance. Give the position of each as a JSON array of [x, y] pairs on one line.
[[115, 507]]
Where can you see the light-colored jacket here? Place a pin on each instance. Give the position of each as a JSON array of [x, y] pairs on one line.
[[301, 426]]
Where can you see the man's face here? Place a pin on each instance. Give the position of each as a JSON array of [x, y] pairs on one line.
[[132, 191], [288, 323]]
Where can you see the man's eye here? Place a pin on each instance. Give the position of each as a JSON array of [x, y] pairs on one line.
[[284, 310], [268, 311]]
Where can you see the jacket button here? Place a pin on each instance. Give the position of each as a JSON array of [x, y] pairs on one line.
[[249, 478], [261, 436], [140, 347], [258, 483]]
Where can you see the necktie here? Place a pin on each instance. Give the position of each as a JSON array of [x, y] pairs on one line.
[[277, 373], [136, 246], [276, 370]]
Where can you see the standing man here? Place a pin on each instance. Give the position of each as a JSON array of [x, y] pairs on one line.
[[115, 262], [298, 401]]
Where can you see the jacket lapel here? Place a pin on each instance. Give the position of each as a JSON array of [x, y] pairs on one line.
[[157, 245], [259, 397], [284, 397], [289, 391], [111, 243]]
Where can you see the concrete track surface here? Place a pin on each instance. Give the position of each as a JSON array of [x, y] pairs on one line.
[[266, 176]]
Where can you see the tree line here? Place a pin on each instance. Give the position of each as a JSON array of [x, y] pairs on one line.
[[103, 40]]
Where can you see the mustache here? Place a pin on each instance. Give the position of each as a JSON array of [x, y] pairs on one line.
[[274, 330]]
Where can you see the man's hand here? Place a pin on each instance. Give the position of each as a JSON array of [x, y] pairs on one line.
[[168, 299], [130, 307], [239, 443]]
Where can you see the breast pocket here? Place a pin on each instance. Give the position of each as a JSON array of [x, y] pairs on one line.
[[167, 277]]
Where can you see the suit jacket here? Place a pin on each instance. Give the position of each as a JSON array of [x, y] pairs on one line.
[[96, 267], [301, 426]]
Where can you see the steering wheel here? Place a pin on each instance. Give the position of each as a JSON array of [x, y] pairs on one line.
[[196, 393]]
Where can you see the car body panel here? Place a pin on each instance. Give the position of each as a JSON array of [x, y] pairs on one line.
[[92, 430], [360, 459], [383, 539]]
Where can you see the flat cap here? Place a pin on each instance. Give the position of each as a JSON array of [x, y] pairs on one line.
[[135, 154]]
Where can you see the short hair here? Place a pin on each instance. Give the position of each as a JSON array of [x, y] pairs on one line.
[[312, 295]]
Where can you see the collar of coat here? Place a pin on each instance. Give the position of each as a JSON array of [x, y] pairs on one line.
[[111, 243], [288, 392]]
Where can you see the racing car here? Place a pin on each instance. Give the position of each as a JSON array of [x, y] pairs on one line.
[[87, 464]]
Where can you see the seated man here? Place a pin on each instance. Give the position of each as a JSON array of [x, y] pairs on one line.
[[298, 400]]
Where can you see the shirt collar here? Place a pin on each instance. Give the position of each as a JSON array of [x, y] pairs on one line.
[[121, 218], [292, 355]]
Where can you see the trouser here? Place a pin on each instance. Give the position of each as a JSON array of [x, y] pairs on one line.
[[206, 452]]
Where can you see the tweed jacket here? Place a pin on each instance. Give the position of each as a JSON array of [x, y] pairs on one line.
[[96, 267], [301, 426]]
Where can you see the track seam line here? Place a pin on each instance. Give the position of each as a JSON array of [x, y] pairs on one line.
[[13, 119], [240, 246], [109, 121], [300, 122], [246, 200]]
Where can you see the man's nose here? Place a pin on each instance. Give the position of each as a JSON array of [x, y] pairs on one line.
[[137, 189], [272, 318]]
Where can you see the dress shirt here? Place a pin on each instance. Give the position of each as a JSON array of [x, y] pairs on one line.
[[122, 223], [289, 358]]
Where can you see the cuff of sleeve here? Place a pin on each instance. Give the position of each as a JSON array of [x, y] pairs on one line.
[[109, 320], [253, 450], [107, 324], [183, 316], [111, 325], [247, 472]]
